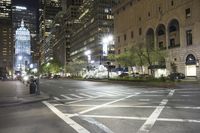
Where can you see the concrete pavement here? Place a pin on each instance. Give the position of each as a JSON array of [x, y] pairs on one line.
[[15, 92]]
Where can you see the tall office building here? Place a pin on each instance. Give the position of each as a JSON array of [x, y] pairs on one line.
[[6, 46], [22, 48], [28, 11], [94, 23], [62, 30], [48, 10]]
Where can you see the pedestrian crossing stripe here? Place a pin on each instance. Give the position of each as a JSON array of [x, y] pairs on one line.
[[68, 98]]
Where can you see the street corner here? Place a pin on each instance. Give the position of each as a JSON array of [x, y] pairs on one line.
[[32, 98], [9, 101]]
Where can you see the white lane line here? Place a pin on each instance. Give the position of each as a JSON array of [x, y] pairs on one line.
[[171, 93], [56, 98], [179, 120], [68, 98], [83, 94], [146, 127], [188, 92], [98, 124], [151, 95], [81, 100], [113, 93], [153, 117], [67, 120], [138, 118], [74, 95], [104, 94], [105, 104], [115, 117], [186, 107], [127, 106]]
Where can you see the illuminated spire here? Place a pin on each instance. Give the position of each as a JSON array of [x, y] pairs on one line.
[[22, 23]]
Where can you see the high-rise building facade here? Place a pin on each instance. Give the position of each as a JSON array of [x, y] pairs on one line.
[[170, 26], [6, 45], [29, 12], [62, 30], [22, 48], [48, 10], [29, 15], [93, 24]]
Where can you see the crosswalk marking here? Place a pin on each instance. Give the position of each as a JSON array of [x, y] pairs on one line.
[[76, 96], [103, 93], [68, 98], [56, 98], [83, 94]]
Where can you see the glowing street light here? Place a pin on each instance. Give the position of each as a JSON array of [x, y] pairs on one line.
[[31, 66], [88, 54], [106, 41], [20, 58]]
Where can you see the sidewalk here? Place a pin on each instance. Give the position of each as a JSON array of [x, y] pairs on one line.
[[15, 92]]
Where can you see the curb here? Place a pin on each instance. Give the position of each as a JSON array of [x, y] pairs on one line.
[[25, 100]]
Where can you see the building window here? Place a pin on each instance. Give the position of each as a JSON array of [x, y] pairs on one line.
[[172, 3], [187, 13], [119, 51], [140, 31], [189, 37], [124, 37], [172, 42], [149, 14], [132, 34]]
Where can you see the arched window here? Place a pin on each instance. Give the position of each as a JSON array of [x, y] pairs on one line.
[[190, 60], [150, 38], [174, 33], [161, 36]]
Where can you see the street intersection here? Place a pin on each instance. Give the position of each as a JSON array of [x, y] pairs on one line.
[[106, 109]]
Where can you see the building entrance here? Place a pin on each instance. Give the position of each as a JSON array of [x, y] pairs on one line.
[[190, 66]]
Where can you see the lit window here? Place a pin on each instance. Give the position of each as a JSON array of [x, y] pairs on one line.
[[187, 13]]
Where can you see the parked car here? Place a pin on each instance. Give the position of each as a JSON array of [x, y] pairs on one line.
[[123, 75], [176, 75], [56, 76], [135, 75]]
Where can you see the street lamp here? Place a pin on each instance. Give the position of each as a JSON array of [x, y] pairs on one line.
[[107, 40], [88, 54]]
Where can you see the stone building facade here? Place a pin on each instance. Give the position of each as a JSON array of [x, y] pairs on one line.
[[169, 25]]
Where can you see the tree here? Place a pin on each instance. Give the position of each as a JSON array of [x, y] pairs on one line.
[[76, 66], [53, 66], [140, 55]]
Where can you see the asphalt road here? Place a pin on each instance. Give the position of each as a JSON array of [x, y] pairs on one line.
[[101, 107]]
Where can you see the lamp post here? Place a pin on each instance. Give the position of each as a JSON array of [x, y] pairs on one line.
[[107, 40], [88, 54]]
